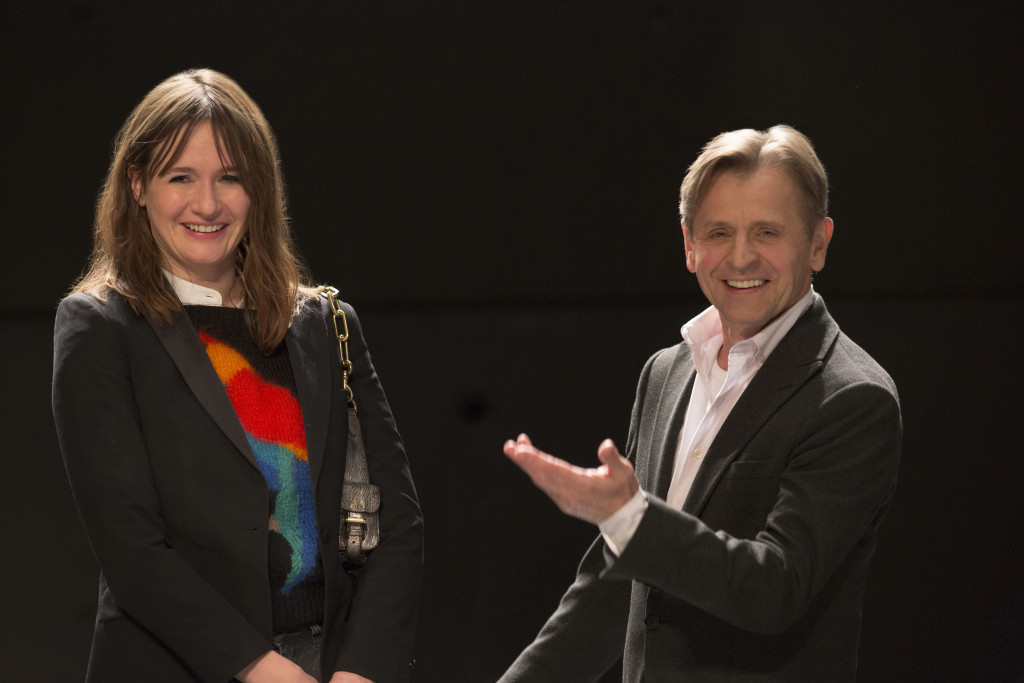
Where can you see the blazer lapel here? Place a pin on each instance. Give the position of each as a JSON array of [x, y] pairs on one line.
[[798, 356], [181, 341], [309, 350], [671, 412]]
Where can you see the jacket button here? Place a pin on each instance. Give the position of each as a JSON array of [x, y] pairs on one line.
[[652, 622]]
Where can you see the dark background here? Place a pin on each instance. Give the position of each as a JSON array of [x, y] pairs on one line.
[[493, 185]]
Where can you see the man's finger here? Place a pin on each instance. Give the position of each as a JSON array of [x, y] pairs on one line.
[[511, 447], [608, 454]]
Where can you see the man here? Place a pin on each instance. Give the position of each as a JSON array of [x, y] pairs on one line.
[[765, 448]]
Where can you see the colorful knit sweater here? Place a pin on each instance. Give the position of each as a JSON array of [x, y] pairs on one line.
[[262, 390]]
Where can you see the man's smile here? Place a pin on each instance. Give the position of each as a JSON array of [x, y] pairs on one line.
[[744, 284]]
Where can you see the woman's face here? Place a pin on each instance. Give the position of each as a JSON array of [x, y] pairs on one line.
[[197, 210]]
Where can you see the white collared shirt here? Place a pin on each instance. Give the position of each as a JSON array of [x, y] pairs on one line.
[[191, 294], [715, 392]]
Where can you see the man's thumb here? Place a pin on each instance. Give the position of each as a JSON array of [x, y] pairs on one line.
[[608, 454]]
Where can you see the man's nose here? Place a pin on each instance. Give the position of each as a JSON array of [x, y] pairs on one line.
[[743, 253]]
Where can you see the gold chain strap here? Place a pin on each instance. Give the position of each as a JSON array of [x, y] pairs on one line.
[[346, 365]]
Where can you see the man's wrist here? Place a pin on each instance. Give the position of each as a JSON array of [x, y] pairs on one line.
[[618, 529]]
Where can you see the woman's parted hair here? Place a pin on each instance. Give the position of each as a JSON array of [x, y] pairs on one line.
[[746, 151], [126, 257]]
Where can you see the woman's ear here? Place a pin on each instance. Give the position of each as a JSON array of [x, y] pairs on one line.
[[135, 178]]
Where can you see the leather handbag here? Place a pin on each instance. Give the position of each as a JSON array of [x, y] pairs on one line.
[[359, 531]]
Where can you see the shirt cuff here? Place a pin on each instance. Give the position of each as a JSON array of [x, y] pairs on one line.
[[618, 529]]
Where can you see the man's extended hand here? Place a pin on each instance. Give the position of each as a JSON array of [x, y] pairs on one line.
[[593, 494]]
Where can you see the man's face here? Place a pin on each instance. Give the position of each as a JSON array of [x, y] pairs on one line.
[[750, 249]]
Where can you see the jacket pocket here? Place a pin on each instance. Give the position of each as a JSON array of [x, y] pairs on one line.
[[750, 469]]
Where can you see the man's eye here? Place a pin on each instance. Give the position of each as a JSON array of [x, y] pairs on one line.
[[229, 178], [178, 179]]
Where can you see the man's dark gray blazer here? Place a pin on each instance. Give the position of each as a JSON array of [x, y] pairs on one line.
[[176, 508], [760, 576]]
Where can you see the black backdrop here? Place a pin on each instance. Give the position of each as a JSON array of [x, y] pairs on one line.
[[493, 185]]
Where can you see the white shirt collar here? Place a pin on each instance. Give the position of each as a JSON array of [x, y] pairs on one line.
[[704, 334], [191, 294]]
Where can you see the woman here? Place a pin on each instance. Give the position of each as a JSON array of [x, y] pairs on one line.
[[201, 412]]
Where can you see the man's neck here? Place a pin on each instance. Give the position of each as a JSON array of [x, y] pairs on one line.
[[732, 337]]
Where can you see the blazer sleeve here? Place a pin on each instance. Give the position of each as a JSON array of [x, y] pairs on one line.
[[586, 634], [105, 454], [832, 494], [381, 627]]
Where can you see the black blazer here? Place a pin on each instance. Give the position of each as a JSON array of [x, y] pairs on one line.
[[760, 576], [176, 508]]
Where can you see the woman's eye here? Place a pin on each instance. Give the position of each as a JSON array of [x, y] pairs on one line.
[[178, 179], [228, 178]]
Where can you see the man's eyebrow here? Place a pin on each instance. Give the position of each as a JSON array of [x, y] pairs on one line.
[[713, 225], [768, 224], [755, 224]]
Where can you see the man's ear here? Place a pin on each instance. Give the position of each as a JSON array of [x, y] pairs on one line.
[[691, 260], [135, 178], [819, 243]]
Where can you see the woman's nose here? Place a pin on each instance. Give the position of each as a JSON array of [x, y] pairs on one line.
[[206, 201]]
